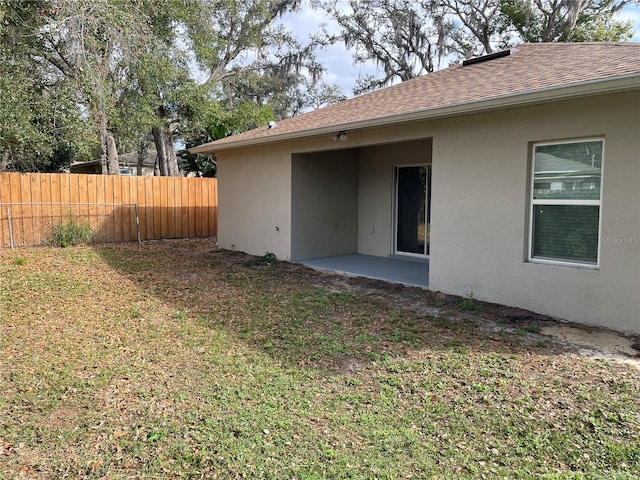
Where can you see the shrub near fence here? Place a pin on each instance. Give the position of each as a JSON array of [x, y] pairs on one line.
[[64, 224], [168, 207]]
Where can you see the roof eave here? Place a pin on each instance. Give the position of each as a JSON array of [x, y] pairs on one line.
[[584, 89]]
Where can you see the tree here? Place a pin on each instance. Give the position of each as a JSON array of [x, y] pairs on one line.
[[234, 45], [246, 55], [566, 20], [105, 53], [247, 61], [407, 39], [40, 128], [126, 73], [92, 43], [165, 100], [404, 38], [286, 93], [475, 27], [89, 46], [222, 122]]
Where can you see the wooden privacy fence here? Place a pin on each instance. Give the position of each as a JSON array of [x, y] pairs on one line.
[[117, 208]]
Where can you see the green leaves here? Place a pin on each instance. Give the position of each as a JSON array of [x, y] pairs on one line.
[[82, 78], [407, 39], [565, 21]]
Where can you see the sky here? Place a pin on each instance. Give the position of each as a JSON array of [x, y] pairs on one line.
[[337, 60]]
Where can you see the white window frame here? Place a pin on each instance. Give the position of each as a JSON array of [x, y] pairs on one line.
[[536, 202]]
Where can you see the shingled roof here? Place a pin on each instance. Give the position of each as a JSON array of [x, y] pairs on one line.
[[528, 73]]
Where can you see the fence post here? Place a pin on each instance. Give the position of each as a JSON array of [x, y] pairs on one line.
[[10, 229]]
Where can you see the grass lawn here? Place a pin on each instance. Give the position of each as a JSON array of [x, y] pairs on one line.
[[175, 360]]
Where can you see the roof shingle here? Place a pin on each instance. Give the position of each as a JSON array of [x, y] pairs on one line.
[[529, 68]]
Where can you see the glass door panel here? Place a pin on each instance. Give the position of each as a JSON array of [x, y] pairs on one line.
[[412, 210]]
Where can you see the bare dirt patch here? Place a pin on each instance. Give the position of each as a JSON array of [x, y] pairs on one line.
[[590, 342], [595, 343]]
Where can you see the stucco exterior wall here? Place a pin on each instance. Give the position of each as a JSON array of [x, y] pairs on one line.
[[254, 189], [479, 229], [324, 204], [480, 204], [376, 194], [254, 197]]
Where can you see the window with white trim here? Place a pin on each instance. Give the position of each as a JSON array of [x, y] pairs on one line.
[[565, 203]]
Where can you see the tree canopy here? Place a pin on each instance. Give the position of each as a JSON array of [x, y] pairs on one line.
[[407, 38], [90, 78], [86, 79]]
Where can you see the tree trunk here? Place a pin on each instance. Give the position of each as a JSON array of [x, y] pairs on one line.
[[102, 127], [109, 157], [142, 155], [4, 161], [167, 159], [113, 168]]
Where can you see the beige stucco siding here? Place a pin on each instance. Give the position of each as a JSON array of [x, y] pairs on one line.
[[254, 197], [376, 195], [479, 232], [480, 203], [324, 204], [254, 192]]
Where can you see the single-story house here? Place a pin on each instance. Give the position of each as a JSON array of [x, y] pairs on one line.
[[513, 177]]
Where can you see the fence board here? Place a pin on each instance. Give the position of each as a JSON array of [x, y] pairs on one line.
[[126, 212], [93, 211], [5, 197], [5, 189], [83, 191], [204, 223], [65, 190], [55, 188], [169, 207], [36, 212], [199, 217], [131, 214], [26, 217], [185, 209], [148, 210], [192, 211], [109, 226], [177, 210], [157, 212]]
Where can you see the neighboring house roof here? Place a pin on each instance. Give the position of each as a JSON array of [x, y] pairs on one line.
[[547, 163], [531, 73], [131, 158], [124, 159]]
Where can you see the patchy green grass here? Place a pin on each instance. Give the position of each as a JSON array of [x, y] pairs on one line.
[[468, 304], [175, 360]]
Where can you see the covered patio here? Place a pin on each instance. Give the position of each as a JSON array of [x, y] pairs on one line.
[[397, 269]]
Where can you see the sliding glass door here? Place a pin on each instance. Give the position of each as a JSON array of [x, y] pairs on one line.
[[412, 209]]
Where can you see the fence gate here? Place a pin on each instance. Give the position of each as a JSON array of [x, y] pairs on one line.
[[31, 224]]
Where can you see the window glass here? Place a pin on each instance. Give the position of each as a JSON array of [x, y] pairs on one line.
[[565, 203], [566, 232], [570, 171]]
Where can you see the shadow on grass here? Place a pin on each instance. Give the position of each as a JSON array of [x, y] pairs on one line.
[[302, 317], [177, 360]]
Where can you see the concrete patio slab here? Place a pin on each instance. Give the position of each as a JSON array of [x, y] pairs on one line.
[[405, 270]]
